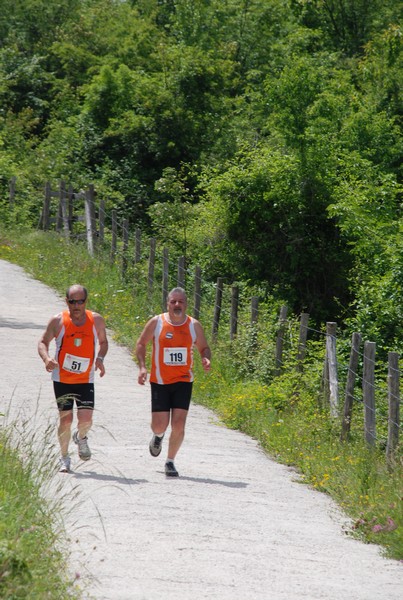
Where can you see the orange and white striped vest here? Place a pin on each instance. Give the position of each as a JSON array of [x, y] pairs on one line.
[[172, 357], [75, 350]]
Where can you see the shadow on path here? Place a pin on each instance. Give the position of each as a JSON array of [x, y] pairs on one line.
[[231, 484], [14, 324], [104, 477]]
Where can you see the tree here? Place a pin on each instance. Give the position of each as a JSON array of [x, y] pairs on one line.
[[32, 25], [268, 229], [348, 24], [368, 213]]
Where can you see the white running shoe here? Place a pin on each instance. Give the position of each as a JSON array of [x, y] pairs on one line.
[[65, 462], [84, 451], [156, 445]]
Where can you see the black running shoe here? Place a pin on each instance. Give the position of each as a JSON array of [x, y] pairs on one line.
[[170, 470]]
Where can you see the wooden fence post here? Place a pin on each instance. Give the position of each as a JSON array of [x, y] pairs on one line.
[[303, 334], [90, 219], [254, 310], [351, 376], [101, 221], [151, 265], [217, 307], [165, 268], [331, 360], [63, 221], [137, 256], [114, 236], [325, 390], [70, 206], [125, 233], [368, 387], [197, 293], [59, 217], [58, 221], [394, 405], [181, 272], [234, 311], [280, 340], [253, 324]]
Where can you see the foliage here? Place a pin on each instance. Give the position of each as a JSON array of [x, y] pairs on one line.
[[367, 209], [346, 24], [285, 413], [267, 228], [32, 564], [286, 416], [262, 140], [269, 131]]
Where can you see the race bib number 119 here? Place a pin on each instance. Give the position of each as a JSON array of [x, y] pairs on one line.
[[175, 356]]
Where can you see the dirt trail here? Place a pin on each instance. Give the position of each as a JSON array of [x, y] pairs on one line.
[[235, 525]]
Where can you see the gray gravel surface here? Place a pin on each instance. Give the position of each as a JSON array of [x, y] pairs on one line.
[[235, 525]]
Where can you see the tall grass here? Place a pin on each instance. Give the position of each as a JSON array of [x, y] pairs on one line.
[[283, 413], [33, 561]]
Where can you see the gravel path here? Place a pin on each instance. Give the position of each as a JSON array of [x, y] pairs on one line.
[[235, 525]]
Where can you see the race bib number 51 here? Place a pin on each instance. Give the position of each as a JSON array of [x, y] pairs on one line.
[[175, 356], [75, 364]]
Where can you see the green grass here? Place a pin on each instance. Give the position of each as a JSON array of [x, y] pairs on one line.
[[32, 561], [283, 413], [302, 435]]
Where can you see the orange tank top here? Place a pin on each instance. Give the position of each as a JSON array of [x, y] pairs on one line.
[[75, 350], [172, 357]]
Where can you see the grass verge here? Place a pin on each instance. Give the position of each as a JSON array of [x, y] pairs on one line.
[[32, 562], [291, 426], [302, 435]]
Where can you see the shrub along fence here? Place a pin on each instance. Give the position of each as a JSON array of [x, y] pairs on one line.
[[78, 215]]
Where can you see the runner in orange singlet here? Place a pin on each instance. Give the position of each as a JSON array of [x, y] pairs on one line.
[[174, 334], [77, 333]]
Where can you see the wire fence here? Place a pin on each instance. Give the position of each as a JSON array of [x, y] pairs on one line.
[[79, 215]]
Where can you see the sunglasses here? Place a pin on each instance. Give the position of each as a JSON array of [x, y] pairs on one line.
[[76, 301]]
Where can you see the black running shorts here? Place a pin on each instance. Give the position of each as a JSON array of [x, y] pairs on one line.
[[171, 395], [82, 394]]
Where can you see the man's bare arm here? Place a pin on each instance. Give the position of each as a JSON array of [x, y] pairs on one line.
[[43, 345], [203, 347], [102, 343], [141, 347]]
